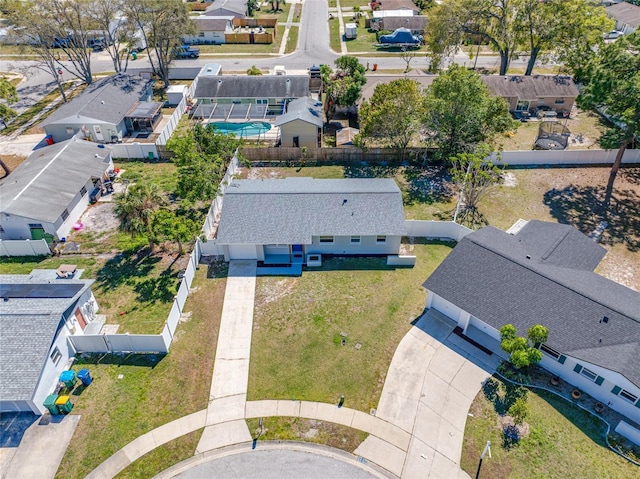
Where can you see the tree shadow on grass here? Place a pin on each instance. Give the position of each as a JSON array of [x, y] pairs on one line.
[[366, 170], [124, 268], [580, 206], [157, 289], [429, 185], [502, 395]]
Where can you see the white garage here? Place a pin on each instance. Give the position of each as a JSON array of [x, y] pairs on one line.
[[242, 251]]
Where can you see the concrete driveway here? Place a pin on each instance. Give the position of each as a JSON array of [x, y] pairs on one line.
[[432, 380], [37, 452]]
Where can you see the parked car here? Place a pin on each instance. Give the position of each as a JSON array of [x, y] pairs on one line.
[[612, 35], [187, 51]]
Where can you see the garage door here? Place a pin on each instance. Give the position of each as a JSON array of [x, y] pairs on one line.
[[446, 308], [242, 251], [276, 249], [485, 328]]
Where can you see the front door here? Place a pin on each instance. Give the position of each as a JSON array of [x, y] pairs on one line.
[[80, 318]]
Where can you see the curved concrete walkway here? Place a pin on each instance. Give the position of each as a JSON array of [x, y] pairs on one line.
[[417, 430]]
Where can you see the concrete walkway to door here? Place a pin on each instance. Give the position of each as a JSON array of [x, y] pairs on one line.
[[433, 378], [231, 368]]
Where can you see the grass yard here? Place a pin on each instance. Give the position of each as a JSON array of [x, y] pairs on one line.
[[364, 42], [282, 14], [334, 34], [296, 350], [563, 442], [590, 125], [292, 40], [153, 390]]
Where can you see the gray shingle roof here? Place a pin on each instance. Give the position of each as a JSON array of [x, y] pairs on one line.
[[398, 5], [106, 100], [489, 275], [306, 109], [292, 210], [212, 24], [415, 23], [46, 182], [626, 13], [250, 86], [236, 6], [531, 87], [27, 329]]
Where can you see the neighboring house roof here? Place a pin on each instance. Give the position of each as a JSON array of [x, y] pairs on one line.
[[292, 210], [531, 87], [28, 327], [542, 275], [106, 100], [415, 23], [213, 24], [305, 109], [397, 5], [626, 13], [236, 6], [345, 136], [250, 86], [48, 180]]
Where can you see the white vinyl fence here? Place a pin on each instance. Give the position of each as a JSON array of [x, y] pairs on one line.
[[134, 150], [567, 157], [24, 248], [173, 123], [154, 343]]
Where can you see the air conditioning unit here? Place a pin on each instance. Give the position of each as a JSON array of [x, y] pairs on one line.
[[314, 260]]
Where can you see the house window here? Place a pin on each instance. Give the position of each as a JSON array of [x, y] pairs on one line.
[[83, 191], [381, 239], [628, 396], [550, 352], [56, 355], [559, 101], [65, 215], [262, 101], [590, 375], [201, 34], [35, 225], [326, 239], [355, 240], [522, 105], [69, 130]]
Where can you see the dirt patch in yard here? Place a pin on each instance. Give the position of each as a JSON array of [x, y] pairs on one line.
[[100, 218]]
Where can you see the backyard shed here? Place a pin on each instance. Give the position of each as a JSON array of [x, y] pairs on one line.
[[302, 124]]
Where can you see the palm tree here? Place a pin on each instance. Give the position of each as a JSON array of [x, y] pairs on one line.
[[135, 208]]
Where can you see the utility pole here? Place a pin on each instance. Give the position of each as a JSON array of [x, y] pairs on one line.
[[486, 449]]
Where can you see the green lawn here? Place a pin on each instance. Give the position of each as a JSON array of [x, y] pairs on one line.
[[281, 15], [334, 35], [296, 350], [364, 42], [153, 390], [563, 442], [292, 40]]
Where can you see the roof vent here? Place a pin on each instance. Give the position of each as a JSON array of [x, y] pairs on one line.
[[528, 257], [344, 202], [605, 320]]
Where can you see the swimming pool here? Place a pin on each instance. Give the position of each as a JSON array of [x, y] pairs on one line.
[[243, 130]]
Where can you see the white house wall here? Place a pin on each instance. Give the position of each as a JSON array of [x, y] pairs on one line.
[[67, 128], [306, 132], [602, 392], [342, 246], [208, 38], [17, 227], [76, 208]]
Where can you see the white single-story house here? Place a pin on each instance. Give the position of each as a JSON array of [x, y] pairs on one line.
[[38, 312], [302, 124], [99, 112], [543, 274], [626, 15], [296, 220], [211, 30], [395, 6], [46, 195]]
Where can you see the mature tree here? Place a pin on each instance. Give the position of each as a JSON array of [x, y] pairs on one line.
[[202, 157], [169, 225], [344, 86], [163, 23], [252, 6], [56, 31], [117, 29], [524, 351], [135, 208], [476, 176], [392, 116], [8, 95], [584, 23], [491, 20], [612, 85], [460, 113], [254, 70]]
